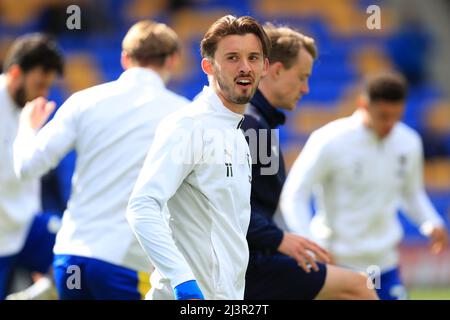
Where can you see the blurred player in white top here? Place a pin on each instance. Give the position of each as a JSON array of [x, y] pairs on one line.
[[111, 127], [27, 235], [362, 169]]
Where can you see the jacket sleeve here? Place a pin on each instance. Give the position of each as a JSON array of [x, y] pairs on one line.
[[311, 166], [263, 233], [171, 158], [417, 205], [7, 175], [37, 152]]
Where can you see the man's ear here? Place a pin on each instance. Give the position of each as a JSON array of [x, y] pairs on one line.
[[207, 66], [125, 60], [14, 71], [275, 69], [265, 67], [362, 102]]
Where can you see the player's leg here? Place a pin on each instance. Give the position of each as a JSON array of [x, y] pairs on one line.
[[341, 283], [6, 265], [41, 288], [37, 255], [391, 286], [280, 277], [108, 281], [70, 278]]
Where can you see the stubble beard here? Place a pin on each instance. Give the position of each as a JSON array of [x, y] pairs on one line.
[[20, 96], [230, 96]]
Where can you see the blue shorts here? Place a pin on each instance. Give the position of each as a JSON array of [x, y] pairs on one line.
[[391, 287], [277, 276], [37, 253], [81, 278]]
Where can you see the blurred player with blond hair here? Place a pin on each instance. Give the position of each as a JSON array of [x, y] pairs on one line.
[[111, 127], [281, 266]]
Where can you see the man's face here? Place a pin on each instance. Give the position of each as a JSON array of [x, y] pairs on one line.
[[32, 84], [237, 67], [383, 115], [292, 83]]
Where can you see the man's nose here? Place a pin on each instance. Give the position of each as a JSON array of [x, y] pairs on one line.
[[304, 89], [244, 67]]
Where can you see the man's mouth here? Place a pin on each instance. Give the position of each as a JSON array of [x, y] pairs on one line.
[[245, 83]]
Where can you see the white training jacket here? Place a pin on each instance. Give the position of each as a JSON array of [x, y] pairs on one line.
[[111, 127], [199, 165], [361, 182], [19, 200]]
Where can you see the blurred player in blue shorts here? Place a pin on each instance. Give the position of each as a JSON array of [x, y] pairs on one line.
[[26, 236], [362, 169]]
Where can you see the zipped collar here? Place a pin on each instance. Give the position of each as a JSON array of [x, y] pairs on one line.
[[213, 101], [142, 76], [273, 116], [357, 121]]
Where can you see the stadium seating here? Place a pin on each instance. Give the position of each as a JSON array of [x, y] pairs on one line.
[[347, 52]]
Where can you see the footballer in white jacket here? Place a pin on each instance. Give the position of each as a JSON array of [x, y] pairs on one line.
[[363, 169], [200, 166]]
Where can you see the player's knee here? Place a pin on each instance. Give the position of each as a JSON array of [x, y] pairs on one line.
[[344, 284], [354, 286], [361, 288]]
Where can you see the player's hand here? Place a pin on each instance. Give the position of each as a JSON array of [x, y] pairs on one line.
[[439, 239], [301, 248], [36, 112]]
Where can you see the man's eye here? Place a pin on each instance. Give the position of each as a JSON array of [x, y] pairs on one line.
[[232, 58]]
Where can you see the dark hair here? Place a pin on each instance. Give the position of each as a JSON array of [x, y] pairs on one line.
[[386, 86], [150, 43], [287, 43], [230, 25], [35, 50]]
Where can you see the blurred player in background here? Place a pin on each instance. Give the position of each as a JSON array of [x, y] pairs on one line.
[[280, 265], [363, 168], [27, 237], [111, 127], [199, 166]]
